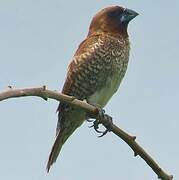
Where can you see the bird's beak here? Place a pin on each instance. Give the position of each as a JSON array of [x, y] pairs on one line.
[[128, 15]]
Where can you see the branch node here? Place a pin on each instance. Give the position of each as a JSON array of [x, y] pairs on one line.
[[10, 87], [135, 154], [45, 98], [133, 138], [44, 87]]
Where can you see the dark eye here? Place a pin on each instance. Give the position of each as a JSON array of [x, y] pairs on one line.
[[115, 13]]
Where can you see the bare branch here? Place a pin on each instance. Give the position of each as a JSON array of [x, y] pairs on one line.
[[93, 111]]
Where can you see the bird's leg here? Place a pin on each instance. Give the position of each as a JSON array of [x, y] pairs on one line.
[[107, 121], [97, 122]]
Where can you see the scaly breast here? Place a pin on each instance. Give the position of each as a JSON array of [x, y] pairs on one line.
[[118, 60]]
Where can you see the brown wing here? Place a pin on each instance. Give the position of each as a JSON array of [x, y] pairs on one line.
[[81, 68]]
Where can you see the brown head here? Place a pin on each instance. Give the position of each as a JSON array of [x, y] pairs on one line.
[[113, 20]]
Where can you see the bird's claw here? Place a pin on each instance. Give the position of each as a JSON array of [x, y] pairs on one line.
[[104, 133], [102, 115], [107, 125], [96, 126]]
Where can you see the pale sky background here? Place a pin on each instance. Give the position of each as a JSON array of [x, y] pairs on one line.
[[37, 40]]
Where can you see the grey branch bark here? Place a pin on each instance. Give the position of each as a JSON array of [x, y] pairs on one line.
[[93, 111]]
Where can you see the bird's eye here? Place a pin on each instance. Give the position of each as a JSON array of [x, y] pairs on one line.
[[116, 14], [113, 13]]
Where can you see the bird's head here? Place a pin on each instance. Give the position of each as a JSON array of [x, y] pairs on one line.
[[112, 19]]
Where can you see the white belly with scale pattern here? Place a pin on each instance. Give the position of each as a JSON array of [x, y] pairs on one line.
[[102, 96]]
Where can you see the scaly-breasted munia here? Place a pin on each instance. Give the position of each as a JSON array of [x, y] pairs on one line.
[[96, 70]]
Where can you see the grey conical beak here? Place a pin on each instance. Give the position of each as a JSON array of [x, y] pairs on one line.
[[131, 13], [128, 15]]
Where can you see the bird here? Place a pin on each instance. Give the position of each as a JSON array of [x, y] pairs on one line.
[[95, 71]]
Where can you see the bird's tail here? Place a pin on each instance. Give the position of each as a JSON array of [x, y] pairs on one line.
[[61, 137]]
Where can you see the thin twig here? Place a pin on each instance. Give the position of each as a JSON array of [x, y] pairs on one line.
[[93, 111]]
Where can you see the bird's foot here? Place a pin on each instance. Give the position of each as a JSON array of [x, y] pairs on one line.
[[104, 119]]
